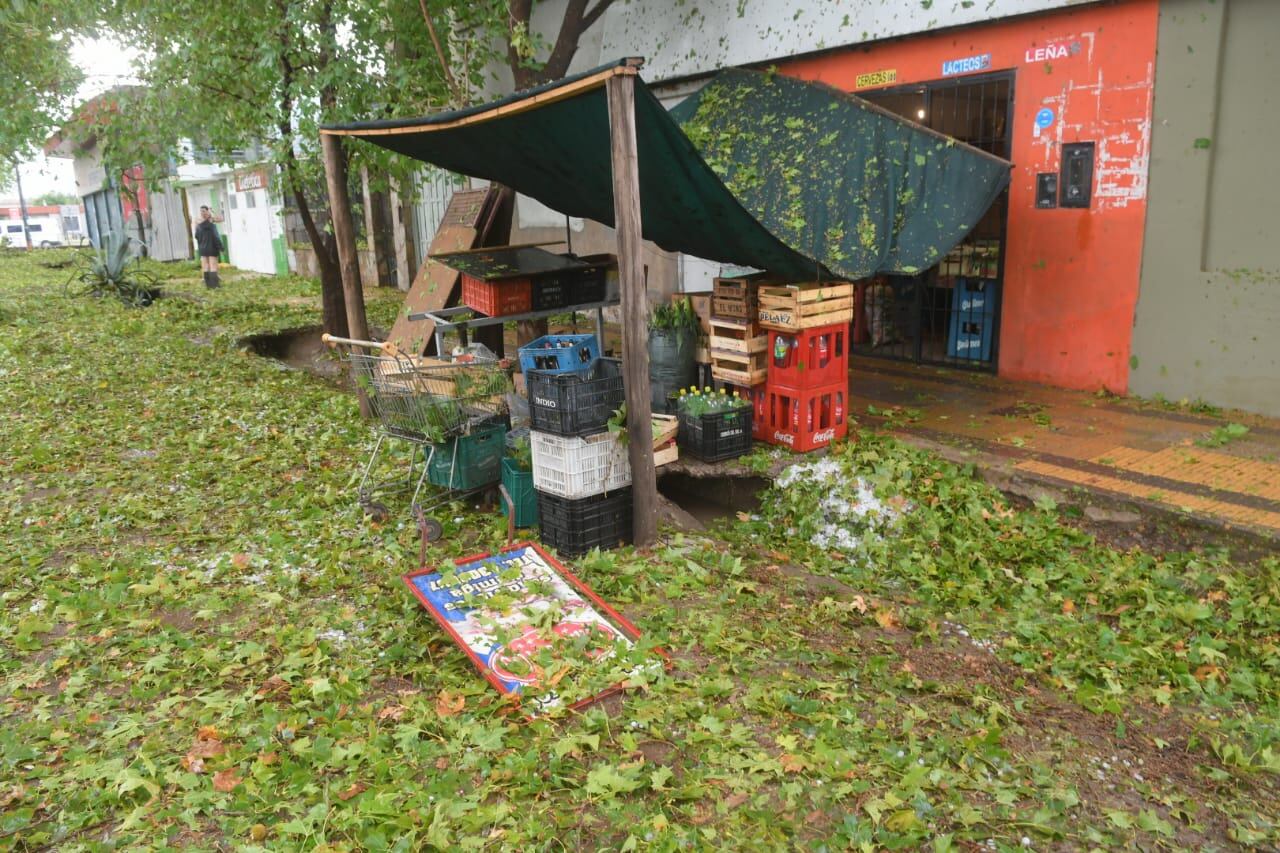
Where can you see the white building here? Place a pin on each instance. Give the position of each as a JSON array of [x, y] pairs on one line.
[[48, 225], [246, 204]]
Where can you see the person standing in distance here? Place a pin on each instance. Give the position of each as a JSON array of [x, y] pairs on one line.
[[208, 246]]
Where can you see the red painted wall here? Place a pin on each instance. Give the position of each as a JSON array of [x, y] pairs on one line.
[[1071, 275]]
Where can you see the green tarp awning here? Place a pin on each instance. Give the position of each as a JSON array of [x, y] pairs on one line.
[[766, 171]]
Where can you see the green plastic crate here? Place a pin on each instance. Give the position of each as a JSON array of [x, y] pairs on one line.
[[469, 461], [520, 486]]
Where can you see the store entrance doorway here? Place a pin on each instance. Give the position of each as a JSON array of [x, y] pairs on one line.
[[950, 313]]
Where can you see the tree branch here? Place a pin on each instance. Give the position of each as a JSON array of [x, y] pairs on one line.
[[444, 63], [594, 15]]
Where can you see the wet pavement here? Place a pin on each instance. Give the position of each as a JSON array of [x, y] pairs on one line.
[[1178, 458]]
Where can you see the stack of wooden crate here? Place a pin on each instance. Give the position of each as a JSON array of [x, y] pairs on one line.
[[738, 345]]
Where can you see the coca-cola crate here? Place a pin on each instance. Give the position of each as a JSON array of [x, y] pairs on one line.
[[805, 419], [497, 298], [810, 357]]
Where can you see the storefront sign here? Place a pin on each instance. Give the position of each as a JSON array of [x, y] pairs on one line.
[[1054, 50], [876, 78], [255, 180], [527, 624], [967, 65]]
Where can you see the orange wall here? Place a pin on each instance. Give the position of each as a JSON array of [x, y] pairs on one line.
[[1071, 275]]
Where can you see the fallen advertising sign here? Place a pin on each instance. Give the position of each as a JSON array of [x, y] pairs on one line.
[[533, 629]]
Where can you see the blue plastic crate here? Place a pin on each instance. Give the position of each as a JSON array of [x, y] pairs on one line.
[[559, 353], [973, 316]]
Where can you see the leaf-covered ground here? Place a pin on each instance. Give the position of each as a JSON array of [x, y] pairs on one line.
[[205, 644]]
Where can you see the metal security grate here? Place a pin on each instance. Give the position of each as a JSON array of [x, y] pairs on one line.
[[950, 313]]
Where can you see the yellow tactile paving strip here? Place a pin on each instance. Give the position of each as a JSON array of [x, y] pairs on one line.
[[1195, 503], [1200, 466]]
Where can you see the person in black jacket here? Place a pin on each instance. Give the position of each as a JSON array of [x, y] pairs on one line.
[[209, 246]]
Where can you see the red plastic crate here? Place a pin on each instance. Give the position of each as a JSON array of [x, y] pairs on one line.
[[497, 298], [759, 397], [809, 358], [805, 418]]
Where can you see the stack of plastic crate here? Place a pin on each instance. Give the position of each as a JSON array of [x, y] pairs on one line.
[[804, 404], [581, 471]]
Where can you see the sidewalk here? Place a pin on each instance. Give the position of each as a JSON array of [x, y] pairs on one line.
[[1153, 456]]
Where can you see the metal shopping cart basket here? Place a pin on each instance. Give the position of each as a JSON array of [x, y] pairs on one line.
[[427, 402]]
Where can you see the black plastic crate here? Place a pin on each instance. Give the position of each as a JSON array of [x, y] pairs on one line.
[[589, 285], [574, 527], [577, 403], [716, 437], [555, 290]]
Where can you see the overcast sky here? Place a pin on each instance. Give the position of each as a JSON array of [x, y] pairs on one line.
[[106, 63]]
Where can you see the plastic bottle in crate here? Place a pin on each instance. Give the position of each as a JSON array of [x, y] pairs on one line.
[[781, 350]]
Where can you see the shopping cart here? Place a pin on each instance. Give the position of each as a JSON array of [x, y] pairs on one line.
[[425, 402]]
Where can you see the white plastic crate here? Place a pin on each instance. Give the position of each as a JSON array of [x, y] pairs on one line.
[[570, 467]]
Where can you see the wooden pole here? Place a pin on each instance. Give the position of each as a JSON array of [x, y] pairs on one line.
[[335, 173], [635, 304]]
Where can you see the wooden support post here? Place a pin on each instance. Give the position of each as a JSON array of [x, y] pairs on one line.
[[399, 236], [335, 173], [635, 304]]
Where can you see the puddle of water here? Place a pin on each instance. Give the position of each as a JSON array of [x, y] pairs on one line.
[[301, 349], [709, 499]]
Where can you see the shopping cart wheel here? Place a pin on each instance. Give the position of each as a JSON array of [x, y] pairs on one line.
[[432, 530], [377, 512]]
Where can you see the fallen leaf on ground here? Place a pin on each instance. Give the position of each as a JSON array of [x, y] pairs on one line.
[[392, 712], [266, 759], [273, 687], [450, 704], [1068, 606], [354, 790], [240, 561], [888, 620], [226, 780], [859, 604], [792, 763]]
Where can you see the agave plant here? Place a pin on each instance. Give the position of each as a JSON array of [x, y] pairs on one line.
[[107, 272]]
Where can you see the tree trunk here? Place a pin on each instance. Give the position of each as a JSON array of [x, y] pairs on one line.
[[332, 299], [344, 232], [333, 309]]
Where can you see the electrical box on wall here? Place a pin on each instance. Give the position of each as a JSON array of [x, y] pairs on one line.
[[1076, 183], [1047, 190]]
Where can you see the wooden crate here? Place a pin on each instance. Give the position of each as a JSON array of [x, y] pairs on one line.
[[665, 429], [734, 298], [738, 336], [744, 369], [666, 455], [793, 307]]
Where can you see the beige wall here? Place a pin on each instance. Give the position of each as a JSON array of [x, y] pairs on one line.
[[661, 267], [1208, 316]]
